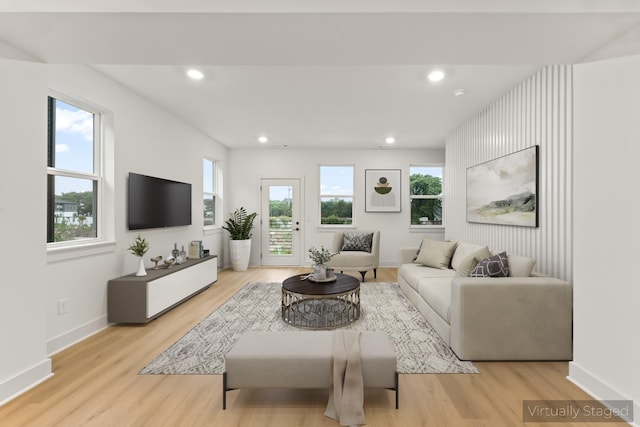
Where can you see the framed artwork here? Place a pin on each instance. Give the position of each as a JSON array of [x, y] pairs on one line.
[[505, 190], [382, 190]]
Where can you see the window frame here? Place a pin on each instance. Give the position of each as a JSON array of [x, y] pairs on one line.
[[427, 196], [331, 195], [214, 193], [97, 177]]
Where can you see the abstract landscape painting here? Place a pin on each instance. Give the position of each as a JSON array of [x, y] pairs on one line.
[[504, 190]]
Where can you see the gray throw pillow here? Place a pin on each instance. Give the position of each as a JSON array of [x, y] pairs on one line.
[[357, 242], [494, 266]]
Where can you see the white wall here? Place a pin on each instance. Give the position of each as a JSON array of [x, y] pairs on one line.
[[146, 140], [606, 229], [248, 166], [536, 112], [23, 357]]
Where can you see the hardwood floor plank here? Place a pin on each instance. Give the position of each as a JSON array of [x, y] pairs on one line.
[[96, 383]]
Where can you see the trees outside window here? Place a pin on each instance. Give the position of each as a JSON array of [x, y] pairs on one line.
[[336, 195], [425, 192]]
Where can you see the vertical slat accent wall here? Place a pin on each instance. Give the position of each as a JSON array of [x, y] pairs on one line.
[[537, 112]]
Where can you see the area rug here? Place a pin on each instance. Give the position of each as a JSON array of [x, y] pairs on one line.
[[256, 307]]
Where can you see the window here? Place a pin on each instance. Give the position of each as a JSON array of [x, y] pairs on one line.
[[209, 192], [425, 192], [336, 195], [74, 175]]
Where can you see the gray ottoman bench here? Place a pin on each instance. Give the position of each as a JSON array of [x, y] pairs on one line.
[[303, 360]]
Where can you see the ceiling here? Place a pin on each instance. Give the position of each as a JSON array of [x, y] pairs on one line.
[[331, 74]]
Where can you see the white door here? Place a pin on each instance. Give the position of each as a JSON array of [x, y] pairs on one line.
[[281, 222]]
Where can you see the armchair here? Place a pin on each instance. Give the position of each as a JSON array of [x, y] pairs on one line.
[[354, 257]]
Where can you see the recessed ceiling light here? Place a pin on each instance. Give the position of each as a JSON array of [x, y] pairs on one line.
[[195, 74], [263, 139], [436, 75], [390, 140], [459, 92]]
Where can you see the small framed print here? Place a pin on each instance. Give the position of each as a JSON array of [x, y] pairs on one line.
[[382, 190]]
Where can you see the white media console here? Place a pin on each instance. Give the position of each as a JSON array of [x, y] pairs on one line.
[[139, 299]]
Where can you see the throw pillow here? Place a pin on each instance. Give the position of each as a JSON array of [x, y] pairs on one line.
[[357, 242], [415, 258], [493, 266], [436, 253], [468, 264]]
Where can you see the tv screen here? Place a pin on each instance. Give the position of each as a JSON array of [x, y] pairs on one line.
[[156, 202]]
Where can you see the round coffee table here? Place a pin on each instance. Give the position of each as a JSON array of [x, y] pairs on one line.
[[327, 305]]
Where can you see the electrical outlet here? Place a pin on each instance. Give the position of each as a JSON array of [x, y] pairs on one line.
[[63, 306]]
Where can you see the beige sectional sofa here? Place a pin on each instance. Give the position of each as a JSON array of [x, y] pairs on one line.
[[523, 316]]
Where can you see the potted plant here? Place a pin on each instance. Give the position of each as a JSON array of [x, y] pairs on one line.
[[239, 226], [139, 247], [320, 257]]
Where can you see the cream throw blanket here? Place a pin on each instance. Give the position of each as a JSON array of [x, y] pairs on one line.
[[346, 400]]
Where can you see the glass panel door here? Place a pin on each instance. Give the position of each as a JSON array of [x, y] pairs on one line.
[[280, 222]]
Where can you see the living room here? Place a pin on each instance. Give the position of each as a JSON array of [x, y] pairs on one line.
[[584, 123]]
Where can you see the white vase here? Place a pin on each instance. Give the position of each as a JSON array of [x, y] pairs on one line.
[[141, 271], [240, 252]]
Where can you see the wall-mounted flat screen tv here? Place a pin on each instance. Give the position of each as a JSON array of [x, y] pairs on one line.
[[156, 202]]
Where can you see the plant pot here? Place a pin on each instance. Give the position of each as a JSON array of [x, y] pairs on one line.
[[141, 271], [240, 252]]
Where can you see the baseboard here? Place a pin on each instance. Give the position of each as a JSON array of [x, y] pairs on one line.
[[597, 388], [59, 343], [24, 381]]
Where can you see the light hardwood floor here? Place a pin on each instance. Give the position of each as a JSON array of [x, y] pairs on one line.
[[96, 383]]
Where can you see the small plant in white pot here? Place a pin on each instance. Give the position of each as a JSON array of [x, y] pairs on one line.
[[239, 226], [139, 247]]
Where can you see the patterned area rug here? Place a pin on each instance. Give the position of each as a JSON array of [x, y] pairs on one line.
[[256, 307]]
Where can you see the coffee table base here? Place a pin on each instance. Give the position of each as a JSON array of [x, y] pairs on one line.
[[320, 312]]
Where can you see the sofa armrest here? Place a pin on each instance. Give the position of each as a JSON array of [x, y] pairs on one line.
[[406, 255], [515, 318]]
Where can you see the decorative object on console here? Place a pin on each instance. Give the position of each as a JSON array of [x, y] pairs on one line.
[[169, 261], [320, 257], [505, 190], [156, 259], [195, 249], [175, 253], [139, 247], [239, 226], [382, 190]]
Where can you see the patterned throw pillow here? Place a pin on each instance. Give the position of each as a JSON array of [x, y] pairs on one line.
[[357, 242], [494, 266]]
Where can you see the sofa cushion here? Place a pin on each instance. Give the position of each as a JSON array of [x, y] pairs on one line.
[[437, 293], [357, 242], [463, 251], [469, 263], [412, 273], [352, 259], [494, 266], [436, 253], [520, 266]]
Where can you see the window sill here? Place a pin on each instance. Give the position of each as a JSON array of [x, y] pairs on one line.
[[212, 230], [423, 228], [62, 253], [332, 227]]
